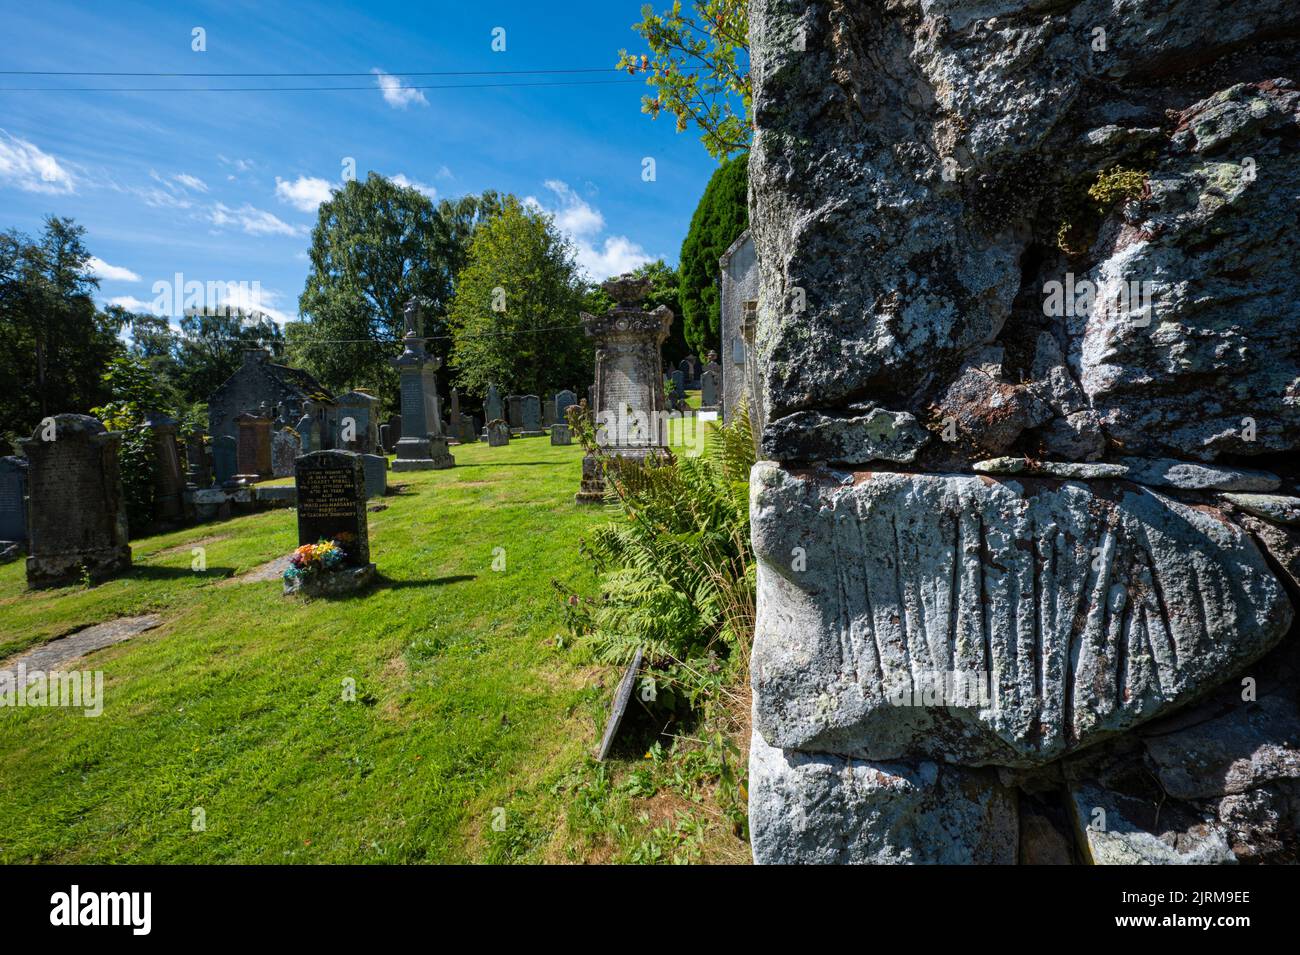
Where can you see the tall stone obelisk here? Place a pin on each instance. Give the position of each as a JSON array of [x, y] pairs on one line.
[[422, 446]]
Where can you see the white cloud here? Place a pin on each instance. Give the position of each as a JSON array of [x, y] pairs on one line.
[[133, 304], [193, 183], [395, 94], [241, 165], [26, 166], [583, 224], [401, 180], [617, 255], [250, 298], [112, 273], [251, 220], [305, 193]]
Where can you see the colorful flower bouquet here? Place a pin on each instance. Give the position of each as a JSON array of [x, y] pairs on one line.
[[315, 558]]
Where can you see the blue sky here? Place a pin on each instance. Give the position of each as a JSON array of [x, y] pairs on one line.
[[222, 187]]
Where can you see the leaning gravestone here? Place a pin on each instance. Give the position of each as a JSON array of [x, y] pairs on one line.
[[331, 488], [376, 467], [619, 706], [498, 433], [530, 416], [285, 448], [77, 514], [13, 499]]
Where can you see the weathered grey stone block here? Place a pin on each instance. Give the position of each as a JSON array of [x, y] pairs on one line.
[[1092, 607], [815, 808]]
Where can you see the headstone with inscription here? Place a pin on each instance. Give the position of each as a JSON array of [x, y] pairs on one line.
[[530, 416], [331, 489], [13, 499], [710, 383], [423, 446], [515, 410], [77, 525], [498, 433], [561, 434], [253, 452]]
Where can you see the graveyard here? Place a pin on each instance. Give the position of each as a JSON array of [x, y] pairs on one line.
[[899, 469], [467, 697]]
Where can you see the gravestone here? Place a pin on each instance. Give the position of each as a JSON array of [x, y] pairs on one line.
[[285, 448], [394, 433], [468, 429], [631, 417], [453, 416], [679, 385], [492, 404], [331, 490], [168, 477], [619, 705], [224, 458], [562, 401], [357, 414], [710, 382], [690, 369], [548, 411], [561, 434], [383, 437], [13, 499], [253, 452], [198, 464], [515, 409], [498, 433], [376, 468], [77, 523], [530, 412], [739, 284], [423, 446]]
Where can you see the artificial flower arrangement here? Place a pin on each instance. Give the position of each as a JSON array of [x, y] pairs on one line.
[[314, 558]]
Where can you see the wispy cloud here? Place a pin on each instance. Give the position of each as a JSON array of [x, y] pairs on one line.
[[402, 180], [26, 166], [583, 223], [395, 94], [251, 220], [193, 183], [305, 193], [112, 273], [133, 304]]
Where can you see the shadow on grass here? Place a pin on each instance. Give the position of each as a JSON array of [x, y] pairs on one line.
[[145, 572], [516, 464], [389, 584]]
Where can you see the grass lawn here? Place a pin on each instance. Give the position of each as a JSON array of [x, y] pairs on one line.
[[470, 707]]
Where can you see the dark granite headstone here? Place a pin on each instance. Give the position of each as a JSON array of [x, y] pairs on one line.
[[468, 429], [394, 433], [76, 511], [515, 404], [331, 488], [530, 416], [562, 401], [13, 499]]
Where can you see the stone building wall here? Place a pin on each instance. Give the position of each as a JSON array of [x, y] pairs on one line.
[[739, 271], [1028, 527]]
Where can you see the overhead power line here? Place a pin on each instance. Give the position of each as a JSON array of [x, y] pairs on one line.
[[580, 69], [302, 89]]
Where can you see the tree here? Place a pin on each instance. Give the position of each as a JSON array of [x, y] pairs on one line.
[[212, 347], [719, 219], [514, 316], [699, 69], [664, 290], [376, 245], [54, 343]]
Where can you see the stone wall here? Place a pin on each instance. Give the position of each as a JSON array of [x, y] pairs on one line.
[[1027, 335]]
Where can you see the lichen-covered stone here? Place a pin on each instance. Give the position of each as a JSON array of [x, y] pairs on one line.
[[877, 435], [1094, 607], [812, 808]]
